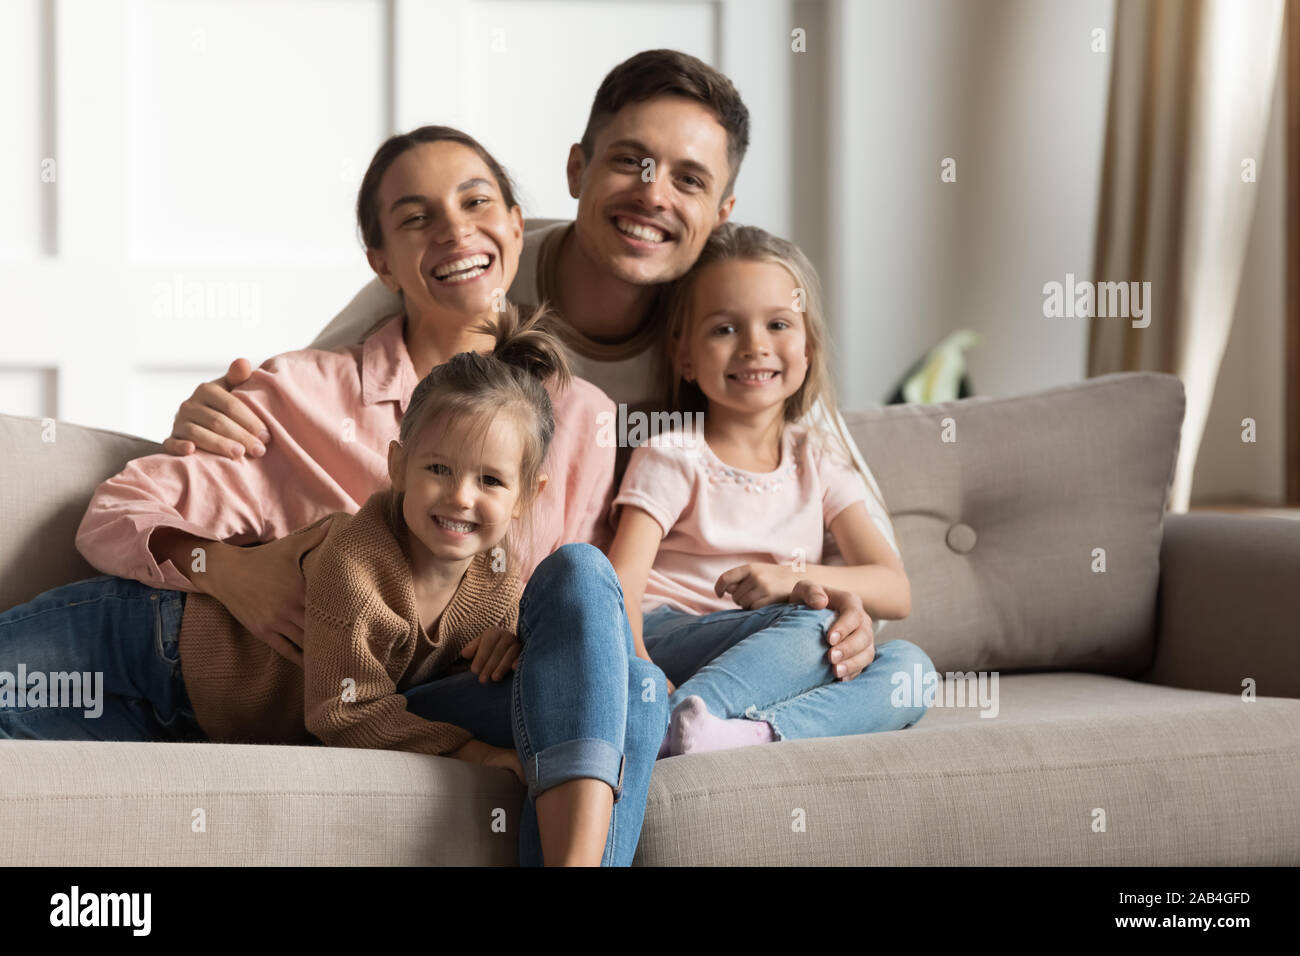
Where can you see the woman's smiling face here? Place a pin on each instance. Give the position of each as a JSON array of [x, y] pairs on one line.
[[450, 242]]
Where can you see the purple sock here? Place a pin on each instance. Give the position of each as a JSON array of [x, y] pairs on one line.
[[694, 730]]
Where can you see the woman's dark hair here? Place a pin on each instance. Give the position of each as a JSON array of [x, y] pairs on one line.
[[479, 386], [368, 195]]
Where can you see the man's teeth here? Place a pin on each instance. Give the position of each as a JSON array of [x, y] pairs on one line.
[[639, 231], [471, 267], [753, 376], [462, 527]]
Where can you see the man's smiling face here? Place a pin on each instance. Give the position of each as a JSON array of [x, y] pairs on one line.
[[647, 230]]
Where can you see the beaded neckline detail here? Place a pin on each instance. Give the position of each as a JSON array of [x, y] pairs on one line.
[[720, 473]]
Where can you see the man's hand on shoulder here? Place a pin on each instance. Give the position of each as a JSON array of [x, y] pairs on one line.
[[215, 420], [851, 637]]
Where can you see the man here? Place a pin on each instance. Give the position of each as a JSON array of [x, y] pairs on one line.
[[653, 175]]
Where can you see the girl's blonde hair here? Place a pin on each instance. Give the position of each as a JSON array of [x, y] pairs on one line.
[[479, 386], [734, 243]]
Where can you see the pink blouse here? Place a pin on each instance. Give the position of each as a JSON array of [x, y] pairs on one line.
[[331, 416]]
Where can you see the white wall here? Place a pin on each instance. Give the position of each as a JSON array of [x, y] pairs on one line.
[[178, 176], [183, 185], [215, 148], [1011, 90]]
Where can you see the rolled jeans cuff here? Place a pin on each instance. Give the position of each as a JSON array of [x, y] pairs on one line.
[[583, 757]]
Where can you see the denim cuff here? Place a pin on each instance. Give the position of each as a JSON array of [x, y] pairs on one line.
[[583, 757], [753, 713]]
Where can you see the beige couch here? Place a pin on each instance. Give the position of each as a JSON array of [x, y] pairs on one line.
[[1146, 713]]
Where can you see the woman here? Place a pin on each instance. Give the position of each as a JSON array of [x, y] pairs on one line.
[[441, 226]]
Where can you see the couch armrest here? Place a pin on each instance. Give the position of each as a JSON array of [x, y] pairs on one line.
[[49, 471], [1229, 604]]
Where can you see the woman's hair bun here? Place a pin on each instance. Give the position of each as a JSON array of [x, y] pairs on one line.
[[528, 344]]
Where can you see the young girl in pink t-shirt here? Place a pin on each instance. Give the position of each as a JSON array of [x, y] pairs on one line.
[[720, 517]]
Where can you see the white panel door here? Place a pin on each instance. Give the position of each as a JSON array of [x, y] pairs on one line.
[[183, 174], [520, 75], [178, 177]]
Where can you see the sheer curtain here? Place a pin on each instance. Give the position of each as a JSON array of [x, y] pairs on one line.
[[1190, 92]]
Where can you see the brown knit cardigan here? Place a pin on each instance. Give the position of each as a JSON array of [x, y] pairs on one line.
[[363, 644]]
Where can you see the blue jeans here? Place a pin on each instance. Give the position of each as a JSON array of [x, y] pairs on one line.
[[770, 664], [581, 704], [123, 633]]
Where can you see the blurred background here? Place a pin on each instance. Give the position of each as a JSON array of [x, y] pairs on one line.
[[177, 180]]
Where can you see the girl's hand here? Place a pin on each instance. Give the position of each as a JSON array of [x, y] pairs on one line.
[[672, 688], [755, 585], [495, 651], [484, 754], [504, 759]]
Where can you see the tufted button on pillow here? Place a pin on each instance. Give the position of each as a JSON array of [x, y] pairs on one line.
[[1044, 479], [961, 538]]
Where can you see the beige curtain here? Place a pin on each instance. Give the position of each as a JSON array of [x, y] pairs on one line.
[[1191, 86]]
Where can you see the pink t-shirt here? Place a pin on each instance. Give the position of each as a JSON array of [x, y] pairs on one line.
[[716, 517], [331, 416]]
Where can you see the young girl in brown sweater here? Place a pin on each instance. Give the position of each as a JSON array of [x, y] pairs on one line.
[[420, 583], [413, 603]]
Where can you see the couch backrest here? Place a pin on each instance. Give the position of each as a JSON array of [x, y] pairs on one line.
[[999, 528], [48, 473], [1005, 528]]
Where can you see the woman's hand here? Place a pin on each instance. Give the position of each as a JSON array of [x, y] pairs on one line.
[[215, 420], [480, 752], [755, 585], [495, 651], [264, 588]]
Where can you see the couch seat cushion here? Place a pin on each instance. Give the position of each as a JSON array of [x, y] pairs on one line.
[[1182, 778]]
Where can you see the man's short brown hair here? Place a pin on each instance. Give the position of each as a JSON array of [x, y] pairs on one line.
[[653, 73]]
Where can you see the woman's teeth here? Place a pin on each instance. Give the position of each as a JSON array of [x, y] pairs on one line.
[[471, 267], [638, 231], [460, 527]]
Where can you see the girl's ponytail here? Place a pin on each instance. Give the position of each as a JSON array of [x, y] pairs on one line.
[[527, 344]]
